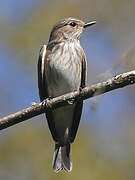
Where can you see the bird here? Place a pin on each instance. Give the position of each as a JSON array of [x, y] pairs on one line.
[[62, 68]]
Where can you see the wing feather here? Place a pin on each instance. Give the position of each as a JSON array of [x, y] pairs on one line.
[[41, 71], [79, 104], [43, 92]]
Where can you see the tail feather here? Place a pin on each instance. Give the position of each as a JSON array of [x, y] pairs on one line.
[[62, 158], [57, 160]]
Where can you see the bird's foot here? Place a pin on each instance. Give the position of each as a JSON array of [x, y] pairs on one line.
[[46, 102]]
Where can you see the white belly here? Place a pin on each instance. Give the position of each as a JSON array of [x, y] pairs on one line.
[[64, 72]]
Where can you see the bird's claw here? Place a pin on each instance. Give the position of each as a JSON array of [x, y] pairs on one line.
[[46, 102]]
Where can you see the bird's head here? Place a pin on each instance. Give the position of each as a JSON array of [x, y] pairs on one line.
[[69, 29]]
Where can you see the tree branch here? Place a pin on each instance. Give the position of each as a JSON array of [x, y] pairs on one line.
[[116, 82]]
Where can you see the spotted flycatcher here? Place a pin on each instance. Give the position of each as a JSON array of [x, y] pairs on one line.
[[62, 69]]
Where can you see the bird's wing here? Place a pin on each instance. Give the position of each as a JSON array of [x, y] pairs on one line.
[[42, 85], [41, 73], [79, 104]]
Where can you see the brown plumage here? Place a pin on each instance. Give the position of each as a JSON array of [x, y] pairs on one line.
[[62, 69]]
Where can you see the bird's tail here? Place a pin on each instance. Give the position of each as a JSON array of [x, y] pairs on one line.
[[62, 158]]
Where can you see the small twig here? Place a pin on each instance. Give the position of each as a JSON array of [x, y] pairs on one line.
[[116, 82]]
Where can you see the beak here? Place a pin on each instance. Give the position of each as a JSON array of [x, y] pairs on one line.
[[89, 24]]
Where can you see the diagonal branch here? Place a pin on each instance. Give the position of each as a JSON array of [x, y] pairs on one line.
[[116, 82]]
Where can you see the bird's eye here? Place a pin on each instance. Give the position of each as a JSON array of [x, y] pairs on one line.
[[73, 24]]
